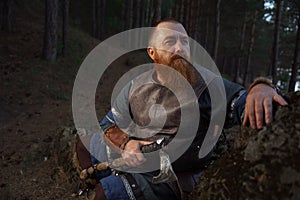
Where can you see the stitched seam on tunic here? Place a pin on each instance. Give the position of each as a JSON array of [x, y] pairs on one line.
[[128, 188]]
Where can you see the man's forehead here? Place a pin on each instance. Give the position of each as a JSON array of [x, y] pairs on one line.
[[166, 30], [171, 28]]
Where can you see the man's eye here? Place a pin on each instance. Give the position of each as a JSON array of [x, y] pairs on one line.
[[169, 42], [185, 42]]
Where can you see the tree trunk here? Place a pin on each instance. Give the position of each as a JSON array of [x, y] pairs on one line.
[[296, 63], [223, 66], [170, 12], [181, 12], [279, 5], [137, 11], [66, 4], [251, 44], [148, 13], [50, 34], [2, 13], [144, 5], [186, 14], [176, 12], [127, 14], [6, 15], [192, 19], [241, 49], [207, 22], [94, 22], [157, 11], [197, 25], [98, 18], [131, 18], [217, 31]]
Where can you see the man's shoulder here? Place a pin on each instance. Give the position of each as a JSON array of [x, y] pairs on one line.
[[204, 78], [208, 77], [206, 74]]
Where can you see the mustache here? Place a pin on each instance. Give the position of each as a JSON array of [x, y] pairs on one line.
[[177, 56]]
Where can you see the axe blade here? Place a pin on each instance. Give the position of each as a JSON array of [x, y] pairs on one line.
[[166, 173]]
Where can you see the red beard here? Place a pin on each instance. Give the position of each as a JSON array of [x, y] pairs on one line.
[[184, 67]]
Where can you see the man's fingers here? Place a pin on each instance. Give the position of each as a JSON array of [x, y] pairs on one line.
[[252, 120], [280, 100], [268, 110], [259, 114], [251, 113], [140, 158], [133, 159], [246, 116], [245, 121], [145, 142]]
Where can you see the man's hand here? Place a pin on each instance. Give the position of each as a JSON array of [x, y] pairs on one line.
[[259, 105], [132, 154]]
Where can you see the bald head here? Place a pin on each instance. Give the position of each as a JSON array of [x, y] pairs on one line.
[[164, 27], [168, 38]]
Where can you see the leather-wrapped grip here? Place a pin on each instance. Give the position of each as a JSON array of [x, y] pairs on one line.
[[115, 138]]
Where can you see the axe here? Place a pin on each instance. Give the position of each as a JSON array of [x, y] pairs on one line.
[[166, 173]]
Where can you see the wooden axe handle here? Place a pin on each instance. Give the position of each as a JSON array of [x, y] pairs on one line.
[[116, 163]]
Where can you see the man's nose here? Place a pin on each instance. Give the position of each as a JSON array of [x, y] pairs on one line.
[[178, 47]]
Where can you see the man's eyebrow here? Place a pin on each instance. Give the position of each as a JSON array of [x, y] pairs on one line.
[[184, 37], [169, 37], [180, 36]]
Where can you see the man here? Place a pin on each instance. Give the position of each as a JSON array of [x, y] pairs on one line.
[[136, 108]]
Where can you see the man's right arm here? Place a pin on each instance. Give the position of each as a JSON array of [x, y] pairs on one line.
[[119, 117], [121, 142]]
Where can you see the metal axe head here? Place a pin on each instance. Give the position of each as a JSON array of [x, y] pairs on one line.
[[166, 173]]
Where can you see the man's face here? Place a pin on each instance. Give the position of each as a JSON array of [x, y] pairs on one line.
[[170, 39], [170, 46]]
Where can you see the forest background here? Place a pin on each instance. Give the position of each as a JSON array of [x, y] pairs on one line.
[[43, 43]]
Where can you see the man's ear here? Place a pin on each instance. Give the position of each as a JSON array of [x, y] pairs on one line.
[[151, 52]]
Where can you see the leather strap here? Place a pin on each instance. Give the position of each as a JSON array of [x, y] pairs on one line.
[[138, 194], [99, 193], [83, 155]]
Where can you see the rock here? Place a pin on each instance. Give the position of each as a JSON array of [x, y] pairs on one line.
[[63, 150], [267, 164]]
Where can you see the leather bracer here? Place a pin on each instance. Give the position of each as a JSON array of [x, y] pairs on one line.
[[115, 138]]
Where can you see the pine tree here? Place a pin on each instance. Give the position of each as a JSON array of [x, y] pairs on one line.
[[65, 24], [296, 63], [50, 34], [276, 41], [6, 15]]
